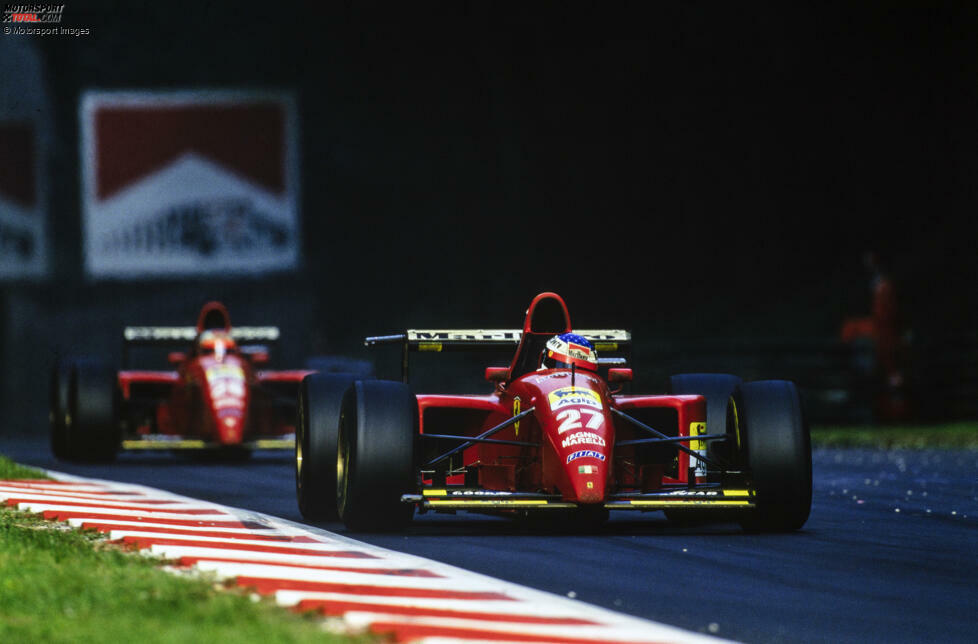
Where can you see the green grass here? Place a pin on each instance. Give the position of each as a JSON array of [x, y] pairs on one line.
[[11, 470], [63, 585], [962, 435], [59, 585]]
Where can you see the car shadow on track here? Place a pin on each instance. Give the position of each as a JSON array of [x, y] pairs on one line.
[[480, 526]]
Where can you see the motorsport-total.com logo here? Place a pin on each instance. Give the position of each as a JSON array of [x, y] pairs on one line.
[[33, 13], [37, 20]]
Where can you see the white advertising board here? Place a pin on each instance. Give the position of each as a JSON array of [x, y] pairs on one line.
[[189, 183]]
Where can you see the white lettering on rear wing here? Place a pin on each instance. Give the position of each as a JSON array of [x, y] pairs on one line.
[[152, 334], [438, 340], [418, 338]]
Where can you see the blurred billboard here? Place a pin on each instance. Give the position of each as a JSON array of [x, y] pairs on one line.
[[25, 137], [189, 183]]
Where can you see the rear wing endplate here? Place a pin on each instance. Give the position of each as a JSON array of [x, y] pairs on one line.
[[438, 340]]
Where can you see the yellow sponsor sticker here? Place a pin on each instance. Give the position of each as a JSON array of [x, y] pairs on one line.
[[429, 346], [163, 444], [697, 429], [224, 371], [573, 396], [275, 443], [678, 503], [486, 502], [736, 493]]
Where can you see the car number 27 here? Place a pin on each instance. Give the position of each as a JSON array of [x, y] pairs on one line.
[[571, 419]]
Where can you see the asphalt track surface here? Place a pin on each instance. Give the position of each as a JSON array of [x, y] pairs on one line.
[[890, 552]]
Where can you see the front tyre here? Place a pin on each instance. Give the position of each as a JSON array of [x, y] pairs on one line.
[[91, 425], [316, 436], [776, 451], [375, 464]]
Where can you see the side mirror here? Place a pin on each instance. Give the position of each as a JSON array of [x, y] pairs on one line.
[[619, 375], [176, 357], [256, 353], [497, 374]]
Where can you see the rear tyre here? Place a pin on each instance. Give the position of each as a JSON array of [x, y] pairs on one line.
[[316, 435], [58, 410], [375, 465], [91, 425], [717, 389], [776, 452]]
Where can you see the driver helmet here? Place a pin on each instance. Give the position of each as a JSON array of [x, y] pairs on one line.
[[215, 342], [568, 349]]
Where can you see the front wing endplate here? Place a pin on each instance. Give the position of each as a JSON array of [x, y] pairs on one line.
[[684, 498]]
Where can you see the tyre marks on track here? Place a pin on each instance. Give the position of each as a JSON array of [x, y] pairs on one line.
[[355, 586]]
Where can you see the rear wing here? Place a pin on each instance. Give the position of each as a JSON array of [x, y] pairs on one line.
[[183, 336], [152, 335], [616, 341]]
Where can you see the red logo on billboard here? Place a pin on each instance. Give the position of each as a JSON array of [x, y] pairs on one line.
[[133, 142]]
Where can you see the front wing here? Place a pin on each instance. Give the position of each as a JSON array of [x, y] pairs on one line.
[[153, 442], [452, 498]]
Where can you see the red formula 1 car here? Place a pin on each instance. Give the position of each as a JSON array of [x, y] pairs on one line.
[[213, 398], [556, 435]]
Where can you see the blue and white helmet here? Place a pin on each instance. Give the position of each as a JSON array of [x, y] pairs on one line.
[[568, 349]]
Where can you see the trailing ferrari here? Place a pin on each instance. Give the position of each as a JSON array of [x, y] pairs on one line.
[[214, 397]]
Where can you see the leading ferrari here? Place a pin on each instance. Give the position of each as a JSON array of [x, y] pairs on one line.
[[557, 434]]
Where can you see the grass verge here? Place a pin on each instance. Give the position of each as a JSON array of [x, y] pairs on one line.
[[949, 435], [11, 470], [64, 585]]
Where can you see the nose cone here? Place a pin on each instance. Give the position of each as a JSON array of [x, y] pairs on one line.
[[587, 470], [230, 428], [228, 395]]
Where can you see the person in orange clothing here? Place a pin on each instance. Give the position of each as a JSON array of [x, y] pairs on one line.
[[883, 328]]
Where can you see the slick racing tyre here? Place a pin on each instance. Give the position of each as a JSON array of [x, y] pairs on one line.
[[316, 437], [58, 410], [776, 452], [91, 426], [375, 466]]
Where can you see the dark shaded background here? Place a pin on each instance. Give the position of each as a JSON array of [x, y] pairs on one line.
[[701, 173]]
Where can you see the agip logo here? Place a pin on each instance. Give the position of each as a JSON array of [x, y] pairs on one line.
[[573, 396]]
